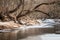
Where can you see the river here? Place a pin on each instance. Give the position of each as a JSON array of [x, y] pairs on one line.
[[43, 31]]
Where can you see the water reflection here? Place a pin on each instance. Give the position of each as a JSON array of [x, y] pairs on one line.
[[8, 36], [26, 31]]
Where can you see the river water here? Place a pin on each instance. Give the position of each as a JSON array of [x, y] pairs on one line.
[[32, 32]]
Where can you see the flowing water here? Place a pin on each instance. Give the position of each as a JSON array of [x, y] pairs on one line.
[[43, 31]]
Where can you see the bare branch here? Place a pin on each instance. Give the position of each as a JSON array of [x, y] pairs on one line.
[[45, 4]]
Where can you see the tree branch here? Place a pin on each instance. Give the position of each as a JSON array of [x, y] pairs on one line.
[[45, 4]]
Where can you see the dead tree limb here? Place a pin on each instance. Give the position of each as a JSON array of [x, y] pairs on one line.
[[46, 4]]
